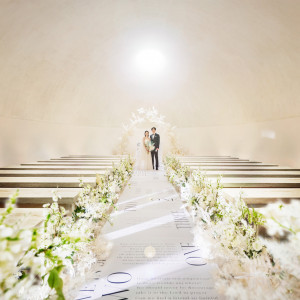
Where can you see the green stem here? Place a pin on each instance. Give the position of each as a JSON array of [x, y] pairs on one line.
[[285, 227]]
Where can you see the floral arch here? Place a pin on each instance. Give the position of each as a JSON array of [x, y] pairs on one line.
[[148, 118]]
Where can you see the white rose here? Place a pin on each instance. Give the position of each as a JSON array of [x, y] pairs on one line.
[[257, 246]]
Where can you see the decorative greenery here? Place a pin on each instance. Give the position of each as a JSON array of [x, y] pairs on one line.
[[42, 259], [249, 267], [204, 198], [177, 174]]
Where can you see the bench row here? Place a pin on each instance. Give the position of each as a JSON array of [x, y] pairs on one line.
[[260, 183], [37, 182]]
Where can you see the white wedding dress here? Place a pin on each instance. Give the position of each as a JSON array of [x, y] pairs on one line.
[[144, 161]]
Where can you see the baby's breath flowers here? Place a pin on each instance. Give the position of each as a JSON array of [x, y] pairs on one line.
[[36, 263], [249, 267]]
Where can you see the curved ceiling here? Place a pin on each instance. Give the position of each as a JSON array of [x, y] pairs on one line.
[[227, 62]]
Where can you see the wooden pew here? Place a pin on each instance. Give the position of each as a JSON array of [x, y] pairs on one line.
[[29, 217], [104, 161], [204, 156], [255, 182], [50, 173], [63, 162], [86, 160], [253, 173], [36, 181], [256, 197], [89, 158], [211, 159], [199, 162], [36, 197], [67, 164], [96, 156], [59, 167], [261, 183], [241, 168], [45, 182], [218, 164], [76, 162], [219, 161]]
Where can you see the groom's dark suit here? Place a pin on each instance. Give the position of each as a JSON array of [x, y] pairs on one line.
[[155, 139]]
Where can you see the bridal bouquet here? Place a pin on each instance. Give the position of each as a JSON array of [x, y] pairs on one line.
[[149, 146]]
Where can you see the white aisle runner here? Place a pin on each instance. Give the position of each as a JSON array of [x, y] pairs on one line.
[[153, 256]]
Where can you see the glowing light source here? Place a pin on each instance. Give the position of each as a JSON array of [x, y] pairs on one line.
[[150, 62]]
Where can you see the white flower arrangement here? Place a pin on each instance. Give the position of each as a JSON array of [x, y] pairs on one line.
[[153, 116], [249, 267], [43, 260]]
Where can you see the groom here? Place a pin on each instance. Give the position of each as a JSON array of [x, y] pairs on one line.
[[155, 139]]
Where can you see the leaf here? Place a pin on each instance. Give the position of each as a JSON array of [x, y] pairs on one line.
[[53, 279], [59, 268], [60, 297], [55, 282], [59, 285]]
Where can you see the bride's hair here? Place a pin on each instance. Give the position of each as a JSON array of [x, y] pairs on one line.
[[145, 132]]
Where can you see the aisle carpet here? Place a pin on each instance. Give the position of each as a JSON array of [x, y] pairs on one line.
[[153, 256]]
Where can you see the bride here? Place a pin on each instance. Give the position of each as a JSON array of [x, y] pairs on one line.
[[145, 153]]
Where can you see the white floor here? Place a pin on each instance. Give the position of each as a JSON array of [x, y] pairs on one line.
[[153, 256]]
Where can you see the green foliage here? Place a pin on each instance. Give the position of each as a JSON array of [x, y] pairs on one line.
[[76, 211], [55, 282], [43, 245], [290, 229], [10, 205], [252, 216], [176, 173], [205, 198]]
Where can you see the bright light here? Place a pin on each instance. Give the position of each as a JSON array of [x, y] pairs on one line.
[[150, 62]]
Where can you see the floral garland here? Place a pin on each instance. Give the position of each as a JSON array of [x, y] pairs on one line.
[[249, 267], [42, 263]]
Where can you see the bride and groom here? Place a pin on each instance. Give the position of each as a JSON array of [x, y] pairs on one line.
[[149, 151]]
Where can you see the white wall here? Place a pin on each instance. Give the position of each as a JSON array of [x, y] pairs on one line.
[[72, 62], [29, 141], [227, 61], [271, 142]]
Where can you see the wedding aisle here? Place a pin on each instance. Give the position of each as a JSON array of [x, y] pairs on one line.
[[153, 256]]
